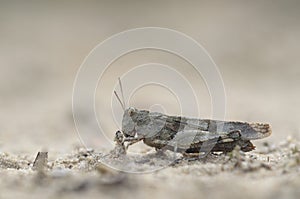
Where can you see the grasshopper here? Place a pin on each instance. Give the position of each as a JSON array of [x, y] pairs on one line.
[[189, 136]]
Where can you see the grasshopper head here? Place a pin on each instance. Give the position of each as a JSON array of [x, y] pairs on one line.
[[128, 122]]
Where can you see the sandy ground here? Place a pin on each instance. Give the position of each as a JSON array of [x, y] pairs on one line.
[[254, 44], [272, 172]]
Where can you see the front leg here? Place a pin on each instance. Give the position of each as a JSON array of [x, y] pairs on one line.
[[119, 149]]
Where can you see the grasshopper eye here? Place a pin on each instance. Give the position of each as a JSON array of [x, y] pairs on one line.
[[131, 111]]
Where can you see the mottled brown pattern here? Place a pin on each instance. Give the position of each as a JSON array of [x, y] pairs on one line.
[[190, 135]]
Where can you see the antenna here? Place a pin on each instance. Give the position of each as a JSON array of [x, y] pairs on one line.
[[122, 105], [122, 93]]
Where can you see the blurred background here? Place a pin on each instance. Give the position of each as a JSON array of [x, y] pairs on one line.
[[255, 45]]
